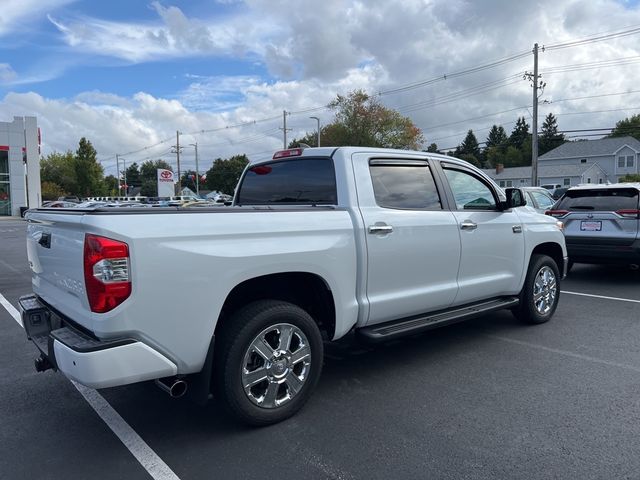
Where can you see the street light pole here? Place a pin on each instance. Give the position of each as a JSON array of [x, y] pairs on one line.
[[317, 120], [197, 170]]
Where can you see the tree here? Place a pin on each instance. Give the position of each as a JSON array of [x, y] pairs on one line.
[[51, 190], [549, 138], [149, 188], [361, 120], [111, 185], [133, 176], [627, 127], [223, 175], [472, 159], [59, 169], [469, 145], [310, 138], [519, 134], [89, 172], [497, 138], [513, 157], [494, 155], [433, 148]]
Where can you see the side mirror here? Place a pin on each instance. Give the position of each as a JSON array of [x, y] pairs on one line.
[[515, 198]]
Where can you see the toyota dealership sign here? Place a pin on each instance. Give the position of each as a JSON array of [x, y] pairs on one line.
[[165, 183]]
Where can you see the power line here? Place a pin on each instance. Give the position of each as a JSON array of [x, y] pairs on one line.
[[462, 94], [592, 39], [591, 96], [592, 65], [434, 127], [460, 73]]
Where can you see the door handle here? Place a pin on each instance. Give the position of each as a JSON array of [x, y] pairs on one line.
[[468, 225], [375, 229]]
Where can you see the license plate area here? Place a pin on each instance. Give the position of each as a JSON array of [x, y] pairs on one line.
[[591, 225]]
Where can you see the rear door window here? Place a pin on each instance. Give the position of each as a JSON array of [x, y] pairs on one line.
[[600, 200], [404, 186], [292, 181]]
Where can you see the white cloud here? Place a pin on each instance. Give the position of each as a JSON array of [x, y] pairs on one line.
[[336, 47], [14, 14], [217, 93], [173, 35], [7, 74]]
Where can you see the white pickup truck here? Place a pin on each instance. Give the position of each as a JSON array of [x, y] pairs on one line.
[[236, 301]]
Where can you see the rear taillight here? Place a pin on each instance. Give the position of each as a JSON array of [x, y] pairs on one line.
[[556, 213], [628, 213], [106, 272]]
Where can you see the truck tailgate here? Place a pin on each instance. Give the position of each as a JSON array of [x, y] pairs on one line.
[[55, 243]]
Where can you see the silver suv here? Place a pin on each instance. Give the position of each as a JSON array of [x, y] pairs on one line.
[[601, 223]]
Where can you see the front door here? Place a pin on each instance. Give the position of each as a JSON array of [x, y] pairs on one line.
[[492, 258]]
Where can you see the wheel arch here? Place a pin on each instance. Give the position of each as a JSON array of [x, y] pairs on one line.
[[307, 290], [553, 250]]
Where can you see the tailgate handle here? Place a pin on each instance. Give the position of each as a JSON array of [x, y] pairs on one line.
[[45, 240]]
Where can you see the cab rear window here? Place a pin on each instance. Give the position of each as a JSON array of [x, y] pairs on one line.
[[293, 181], [600, 200]]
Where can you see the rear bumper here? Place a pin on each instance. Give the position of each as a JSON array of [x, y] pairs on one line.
[[593, 253], [85, 359]]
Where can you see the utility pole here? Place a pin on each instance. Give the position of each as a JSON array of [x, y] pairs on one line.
[[284, 127], [534, 138], [118, 174], [537, 85], [126, 187]]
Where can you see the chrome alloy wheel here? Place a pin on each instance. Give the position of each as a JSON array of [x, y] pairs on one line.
[[276, 365], [544, 290]]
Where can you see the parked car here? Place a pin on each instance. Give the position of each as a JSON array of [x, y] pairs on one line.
[[70, 198], [601, 223], [59, 204], [538, 198], [550, 186], [558, 192], [319, 242]]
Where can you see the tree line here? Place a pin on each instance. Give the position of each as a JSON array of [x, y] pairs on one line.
[[80, 174]]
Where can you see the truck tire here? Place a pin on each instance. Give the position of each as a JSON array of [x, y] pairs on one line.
[[541, 291], [268, 361]]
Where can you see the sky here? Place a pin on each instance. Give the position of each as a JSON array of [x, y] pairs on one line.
[[128, 74]]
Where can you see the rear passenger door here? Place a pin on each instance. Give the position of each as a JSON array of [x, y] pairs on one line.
[[492, 257], [412, 240]]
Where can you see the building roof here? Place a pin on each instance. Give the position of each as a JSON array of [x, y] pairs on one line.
[[544, 171], [591, 148]]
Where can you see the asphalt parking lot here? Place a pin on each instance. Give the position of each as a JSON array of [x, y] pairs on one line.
[[489, 398]]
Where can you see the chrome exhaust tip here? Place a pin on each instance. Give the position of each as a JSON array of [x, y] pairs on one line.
[[175, 387]]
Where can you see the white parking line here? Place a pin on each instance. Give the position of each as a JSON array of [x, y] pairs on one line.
[[11, 309], [600, 296], [149, 459], [142, 452], [566, 353]]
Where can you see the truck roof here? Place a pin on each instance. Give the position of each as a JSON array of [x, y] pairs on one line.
[[347, 151]]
